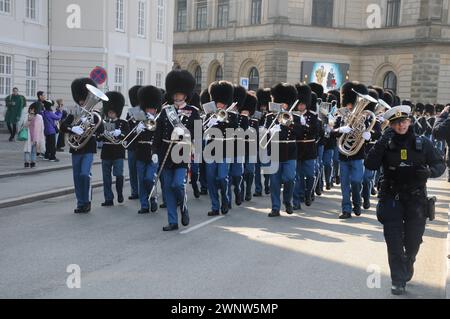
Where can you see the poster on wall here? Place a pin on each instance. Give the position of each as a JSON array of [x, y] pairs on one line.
[[330, 75]]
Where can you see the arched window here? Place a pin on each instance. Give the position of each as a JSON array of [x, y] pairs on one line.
[[198, 79], [219, 73], [253, 79], [390, 81]]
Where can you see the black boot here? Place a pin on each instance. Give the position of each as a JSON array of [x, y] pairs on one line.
[[32, 165], [237, 192], [170, 227], [398, 290], [249, 182], [108, 203], [144, 211], [119, 188], [27, 165], [195, 189], [185, 216], [274, 213], [289, 209], [153, 205]]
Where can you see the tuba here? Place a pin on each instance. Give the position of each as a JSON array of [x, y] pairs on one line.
[[93, 119], [350, 144]]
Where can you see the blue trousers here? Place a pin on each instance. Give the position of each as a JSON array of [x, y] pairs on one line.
[[116, 168], [319, 166], [236, 170], [258, 179], [352, 173], [174, 188], [336, 162], [285, 176], [146, 173], [328, 164], [82, 165], [132, 168], [304, 180], [368, 180], [217, 177]]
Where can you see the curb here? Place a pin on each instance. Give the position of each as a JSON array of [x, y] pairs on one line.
[[39, 170], [18, 201]]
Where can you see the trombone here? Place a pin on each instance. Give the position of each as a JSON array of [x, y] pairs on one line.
[[220, 115], [284, 118], [150, 125]]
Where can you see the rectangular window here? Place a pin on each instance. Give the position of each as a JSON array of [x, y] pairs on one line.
[[322, 14], [181, 15], [141, 18], [5, 6], [256, 12], [222, 13], [159, 77], [118, 78], [140, 77], [160, 26], [5, 74], [120, 16], [31, 9], [31, 77], [202, 14], [393, 13]]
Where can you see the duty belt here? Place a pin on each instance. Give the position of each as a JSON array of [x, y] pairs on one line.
[[145, 142], [284, 142], [176, 142], [306, 141]]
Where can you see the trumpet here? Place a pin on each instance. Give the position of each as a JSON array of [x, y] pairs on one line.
[[107, 134], [220, 115], [284, 118], [150, 125]]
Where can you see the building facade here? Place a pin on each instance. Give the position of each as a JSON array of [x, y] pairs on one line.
[[399, 44], [45, 44]]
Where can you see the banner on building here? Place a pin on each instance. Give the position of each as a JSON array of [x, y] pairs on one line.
[[330, 75]]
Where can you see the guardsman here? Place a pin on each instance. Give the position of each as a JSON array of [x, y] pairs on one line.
[[150, 100], [441, 132], [132, 169], [263, 96], [113, 153], [408, 161], [175, 128]]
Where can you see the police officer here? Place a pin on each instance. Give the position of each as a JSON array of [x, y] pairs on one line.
[[113, 153], [170, 135], [408, 161], [441, 131], [134, 101], [82, 158], [150, 101]]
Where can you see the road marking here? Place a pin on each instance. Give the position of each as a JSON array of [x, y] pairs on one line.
[[187, 231]]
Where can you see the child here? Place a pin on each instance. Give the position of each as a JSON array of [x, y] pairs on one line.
[[36, 137]]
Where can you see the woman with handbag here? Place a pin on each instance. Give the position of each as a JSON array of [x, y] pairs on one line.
[[32, 133]]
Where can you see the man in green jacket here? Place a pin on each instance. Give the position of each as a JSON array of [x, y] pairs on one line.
[[14, 106]]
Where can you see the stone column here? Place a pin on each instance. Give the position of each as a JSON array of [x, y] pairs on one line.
[[276, 63], [425, 76]]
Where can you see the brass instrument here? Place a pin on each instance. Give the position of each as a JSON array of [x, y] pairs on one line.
[[351, 143], [220, 115], [381, 108], [92, 121], [284, 118], [150, 125], [109, 129]]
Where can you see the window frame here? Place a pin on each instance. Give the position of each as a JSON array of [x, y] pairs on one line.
[[142, 19], [198, 76], [160, 19], [318, 7], [5, 77], [256, 12], [201, 15], [119, 78], [120, 19], [181, 18], [159, 79], [253, 86], [216, 77], [140, 76], [3, 6], [31, 78], [36, 10], [386, 81], [223, 15], [393, 12]]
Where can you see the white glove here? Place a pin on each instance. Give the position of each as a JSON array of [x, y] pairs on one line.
[[345, 129], [150, 116], [367, 136], [140, 128], [275, 129], [155, 159], [213, 122], [77, 130], [302, 120], [177, 132], [116, 133], [84, 120], [381, 118]]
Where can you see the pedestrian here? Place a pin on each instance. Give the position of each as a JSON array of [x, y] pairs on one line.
[[408, 161], [50, 119], [14, 106], [441, 131], [36, 138], [61, 136]]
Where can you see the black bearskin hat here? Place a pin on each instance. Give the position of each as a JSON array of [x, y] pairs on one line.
[[239, 95], [407, 102], [419, 108], [304, 94], [249, 104], [439, 108], [222, 92], [79, 90], [116, 103], [388, 98], [314, 99], [264, 98], [150, 97], [316, 88], [195, 100], [133, 95], [180, 81], [205, 97], [284, 93], [361, 88], [429, 108], [373, 93], [397, 100], [347, 94]]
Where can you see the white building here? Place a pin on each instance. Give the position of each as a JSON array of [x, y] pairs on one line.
[[45, 44]]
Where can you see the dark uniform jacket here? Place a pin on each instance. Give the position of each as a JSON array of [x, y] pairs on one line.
[[404, 159], [359, 156], [306, 143], [112, 151], [231, 123], [441, 131], [164, 131]]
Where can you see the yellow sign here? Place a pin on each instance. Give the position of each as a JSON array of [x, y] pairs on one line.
[[404, 155]]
